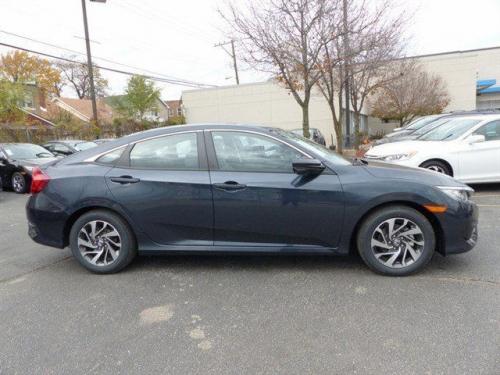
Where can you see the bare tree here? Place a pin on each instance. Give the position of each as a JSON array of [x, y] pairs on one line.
[[285, 38], [378, 42], [367, 39], [76, 75], [415, 93]]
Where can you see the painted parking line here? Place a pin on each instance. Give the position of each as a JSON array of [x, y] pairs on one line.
[[489, 205]]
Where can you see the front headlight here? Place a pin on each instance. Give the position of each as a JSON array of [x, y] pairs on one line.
[[399, 157], [457, 192]]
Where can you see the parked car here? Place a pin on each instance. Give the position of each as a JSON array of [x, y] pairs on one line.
[[237, 188], [407, 130], [68, 147], [17, 161], [315, 135], [466, 147]]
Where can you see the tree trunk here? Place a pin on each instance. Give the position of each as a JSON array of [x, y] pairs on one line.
[[357, 135], [305, 120]]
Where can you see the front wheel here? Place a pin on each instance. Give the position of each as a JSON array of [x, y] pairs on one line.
[[102, 242], [19, 183], [396, 241], [437, 166]]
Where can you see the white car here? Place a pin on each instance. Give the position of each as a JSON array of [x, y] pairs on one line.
[[466, 147]]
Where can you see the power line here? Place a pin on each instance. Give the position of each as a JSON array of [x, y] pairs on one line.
[[95, 57], [178, 82]]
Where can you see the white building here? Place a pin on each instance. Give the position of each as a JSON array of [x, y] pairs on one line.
[[472, 78]]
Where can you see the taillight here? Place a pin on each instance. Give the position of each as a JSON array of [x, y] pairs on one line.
[[38, 180]]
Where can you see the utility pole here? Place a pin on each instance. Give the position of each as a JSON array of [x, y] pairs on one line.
[[346, 81], [233, 56], [89, 60]]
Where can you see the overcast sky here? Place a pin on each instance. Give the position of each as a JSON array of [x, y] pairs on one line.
[[176, 38]]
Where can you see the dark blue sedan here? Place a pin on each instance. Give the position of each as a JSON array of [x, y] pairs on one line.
[[207, 188]]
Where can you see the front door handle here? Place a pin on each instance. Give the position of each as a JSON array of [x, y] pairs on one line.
[[125, 180], [230, 186]]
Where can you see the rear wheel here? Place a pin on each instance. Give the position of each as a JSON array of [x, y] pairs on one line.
[[102, 242], [19, 183], [396, 241], [437, 166]]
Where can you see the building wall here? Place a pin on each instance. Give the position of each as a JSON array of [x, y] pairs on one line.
[[264, 103], [461, 71]]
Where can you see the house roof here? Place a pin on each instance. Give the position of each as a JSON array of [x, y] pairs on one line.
[[82, 108], [173, 104], [116, 100]]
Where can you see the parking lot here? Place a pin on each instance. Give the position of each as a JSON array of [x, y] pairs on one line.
[[247, 314]]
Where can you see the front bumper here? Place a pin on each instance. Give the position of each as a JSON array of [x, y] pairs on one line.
[[460, 228]]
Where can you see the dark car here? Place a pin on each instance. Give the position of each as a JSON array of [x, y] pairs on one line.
[[68, 147], [222, 188], [17, 161], [315, 135]]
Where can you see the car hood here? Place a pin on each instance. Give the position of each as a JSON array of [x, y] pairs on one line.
[[388, 171], [34, 162], [402, 147]]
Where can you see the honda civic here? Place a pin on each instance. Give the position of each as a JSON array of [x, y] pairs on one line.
[[246, 189]]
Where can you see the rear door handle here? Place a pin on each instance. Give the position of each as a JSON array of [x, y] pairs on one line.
[[125, 180], [230, 186]]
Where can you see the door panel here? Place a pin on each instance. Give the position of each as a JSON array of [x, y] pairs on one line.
[[165, 189], [171, 207], [277, 209], [259, 201], [481, 161]]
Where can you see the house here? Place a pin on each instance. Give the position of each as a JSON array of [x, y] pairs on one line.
[[34, 106], [158, 115], [81, 109], [175, 108]]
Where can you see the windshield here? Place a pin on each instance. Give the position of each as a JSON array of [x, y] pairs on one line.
[[84, 145], [453, 129], [431, 126], [421, 122], [26, 151], [314, 147]]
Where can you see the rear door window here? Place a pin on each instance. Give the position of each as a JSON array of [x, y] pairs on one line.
[[178, 151]]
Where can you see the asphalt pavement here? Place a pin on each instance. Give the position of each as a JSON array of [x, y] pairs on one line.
[[247, 314]]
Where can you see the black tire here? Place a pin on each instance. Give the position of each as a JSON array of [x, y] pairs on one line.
[[368, 230], [128, 250], [18, 183], [437, 166]]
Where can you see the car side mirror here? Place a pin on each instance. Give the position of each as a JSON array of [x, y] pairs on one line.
[[308, 167], [476, 138]]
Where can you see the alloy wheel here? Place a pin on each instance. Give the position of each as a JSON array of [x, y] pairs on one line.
[[436, 168], [99, 243], [397, 242], [18, 182]]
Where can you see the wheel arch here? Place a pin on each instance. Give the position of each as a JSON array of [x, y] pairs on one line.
[[78, 213], [447, 163], [438, 230]]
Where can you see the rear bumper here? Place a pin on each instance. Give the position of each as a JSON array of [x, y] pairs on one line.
[[46, 223]]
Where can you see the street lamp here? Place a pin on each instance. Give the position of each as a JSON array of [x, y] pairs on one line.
[[89, 58]]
